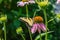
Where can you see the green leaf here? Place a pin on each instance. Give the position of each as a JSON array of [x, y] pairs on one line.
[[16, 23], [43, 34], [1, 1]]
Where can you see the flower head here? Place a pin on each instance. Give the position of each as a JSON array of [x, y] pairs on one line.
[[19, 30], [42, 3], [38, 25], [38, 19], [3, 18], [20, 3], [24, 2], [57, 17]]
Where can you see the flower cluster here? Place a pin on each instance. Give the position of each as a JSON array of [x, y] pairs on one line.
[[24, 2]]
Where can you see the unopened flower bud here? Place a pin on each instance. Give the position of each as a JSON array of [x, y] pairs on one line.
[[3, 18], [19, 30]]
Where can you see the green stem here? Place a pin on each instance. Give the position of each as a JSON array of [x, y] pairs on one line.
[[22, 36], [0, 39], [35, 12], [26, 11], [4, 30], [51, 19], [27, 18], [40, 37], [30, 34], [45, 23]]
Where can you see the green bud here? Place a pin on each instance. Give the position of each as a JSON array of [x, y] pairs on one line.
[[19, 30], [3, 18], [42, 3], [58, 16]]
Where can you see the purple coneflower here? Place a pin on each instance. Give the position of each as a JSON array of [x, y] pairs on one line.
[[38, 25], [24, 2]]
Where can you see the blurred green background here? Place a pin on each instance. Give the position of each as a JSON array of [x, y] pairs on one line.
[[9, 7]]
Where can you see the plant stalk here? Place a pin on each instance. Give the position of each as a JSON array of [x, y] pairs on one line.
[[45, 16], [4, 30], [22, 36], [27, 18]]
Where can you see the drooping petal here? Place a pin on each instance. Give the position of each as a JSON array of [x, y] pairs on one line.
[[42, 26], [20, 3], [38, 28], [34, 28]]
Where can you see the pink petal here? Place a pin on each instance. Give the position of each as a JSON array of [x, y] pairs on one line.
[[42, 26], [34, 28], [26, 2], [20, 3], [31, 2], [38, 28], [58, 1]]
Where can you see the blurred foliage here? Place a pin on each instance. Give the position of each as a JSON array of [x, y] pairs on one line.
[[9, 7]]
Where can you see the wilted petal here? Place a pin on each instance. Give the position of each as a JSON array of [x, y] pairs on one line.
[[42, 26], [34, 28], [20, 3]]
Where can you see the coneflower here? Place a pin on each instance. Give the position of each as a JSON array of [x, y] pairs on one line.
[[38, 25], [24, 2]]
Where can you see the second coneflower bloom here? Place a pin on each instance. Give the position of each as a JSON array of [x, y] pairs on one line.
[[38, 25], [24, 2]]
